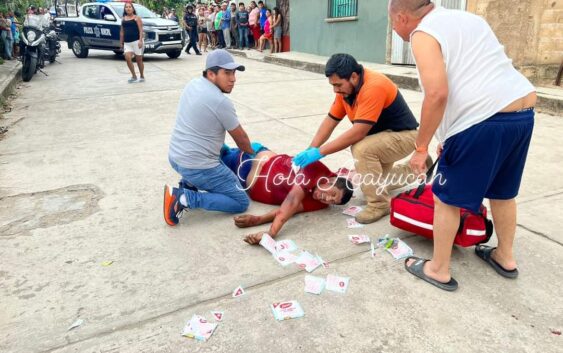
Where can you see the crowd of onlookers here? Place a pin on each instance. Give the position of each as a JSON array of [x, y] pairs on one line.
[[10, 27], [231, 26], [9, 33], [223, 25]]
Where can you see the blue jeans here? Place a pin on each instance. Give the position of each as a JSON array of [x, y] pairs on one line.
[[242, 36], [8, 44], [224, 192]]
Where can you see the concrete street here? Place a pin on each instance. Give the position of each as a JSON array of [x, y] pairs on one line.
[[82, 169]]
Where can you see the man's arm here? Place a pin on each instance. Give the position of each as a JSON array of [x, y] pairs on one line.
[[325, 130], [292, 205], [357, 132], [248, 220], [432, 71], [241, 139]]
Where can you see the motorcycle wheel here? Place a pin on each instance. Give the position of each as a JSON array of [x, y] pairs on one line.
[[78, 48], [28, 68]]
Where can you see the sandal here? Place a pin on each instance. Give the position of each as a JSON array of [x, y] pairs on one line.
[[484, 252], [417, 269]]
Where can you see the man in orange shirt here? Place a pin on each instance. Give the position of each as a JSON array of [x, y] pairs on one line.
[[383, 131]]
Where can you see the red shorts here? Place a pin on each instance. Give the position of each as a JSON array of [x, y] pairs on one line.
[[268, 35], [255, 32]]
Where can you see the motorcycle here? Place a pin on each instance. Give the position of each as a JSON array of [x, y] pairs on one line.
[[40, 44]]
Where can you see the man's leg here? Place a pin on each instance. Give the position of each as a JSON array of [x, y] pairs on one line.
[[221, 39], [224, 192], [504, 217], [194, 42], [227, 37], [371, 155], [446, 224], [400, 175], [246, 38]]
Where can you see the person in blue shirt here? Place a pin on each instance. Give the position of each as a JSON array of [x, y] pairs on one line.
[[263, 16], [226, 25]]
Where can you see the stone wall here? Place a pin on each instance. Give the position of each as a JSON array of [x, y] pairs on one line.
[[530, 30]]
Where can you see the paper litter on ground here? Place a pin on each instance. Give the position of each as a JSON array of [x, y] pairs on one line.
[[323, 262], [351, 223], [198, 328], [287, 310], [218, 315], [314, 284], [75, 324], [352, 211], [307, 261], [268, 243], [286, 245], [359, 238], [107, 263], [399, 249], [285, 258], [337, 283], [239, 291]]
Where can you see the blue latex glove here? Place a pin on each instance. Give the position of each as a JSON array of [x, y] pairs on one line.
[[256, 146], [310, 155]]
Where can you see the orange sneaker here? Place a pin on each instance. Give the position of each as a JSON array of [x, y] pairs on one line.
[[172, 209]]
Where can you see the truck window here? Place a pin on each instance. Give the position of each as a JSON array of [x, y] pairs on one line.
[[104, 10], [91, 11]]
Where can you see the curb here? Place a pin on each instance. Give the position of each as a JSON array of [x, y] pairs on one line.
[[546, 104], [8, 85]]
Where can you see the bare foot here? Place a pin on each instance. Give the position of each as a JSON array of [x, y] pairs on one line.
[[507, 262], [428, 271]]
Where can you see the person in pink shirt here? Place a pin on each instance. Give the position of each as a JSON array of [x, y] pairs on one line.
[[267, 36], [254, 23]]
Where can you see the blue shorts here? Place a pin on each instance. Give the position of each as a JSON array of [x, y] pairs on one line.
[[485, 161], [239, 162]]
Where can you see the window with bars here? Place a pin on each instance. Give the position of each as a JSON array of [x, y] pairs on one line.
[[342, 8]]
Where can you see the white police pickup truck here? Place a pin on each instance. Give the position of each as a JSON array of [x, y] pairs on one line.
[[96, 25]]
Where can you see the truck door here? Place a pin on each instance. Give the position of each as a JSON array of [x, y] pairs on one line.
[[98, 31], [110, 27], [89, 14]]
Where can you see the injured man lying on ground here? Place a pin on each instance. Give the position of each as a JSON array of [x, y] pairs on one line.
[[269, 178]]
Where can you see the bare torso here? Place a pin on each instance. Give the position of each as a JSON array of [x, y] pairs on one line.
[[525, 102]]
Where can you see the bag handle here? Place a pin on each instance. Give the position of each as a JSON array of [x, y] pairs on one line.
[[488, 230], [429, 173]]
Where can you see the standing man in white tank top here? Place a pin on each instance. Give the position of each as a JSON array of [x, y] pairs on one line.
[[481, 111]]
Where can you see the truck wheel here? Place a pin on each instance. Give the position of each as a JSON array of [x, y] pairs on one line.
[[118, 52], [174, 54], [78, 47]]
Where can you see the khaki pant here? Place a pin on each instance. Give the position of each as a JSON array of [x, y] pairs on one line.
[[375, 156]]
